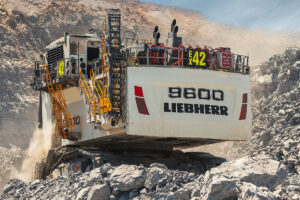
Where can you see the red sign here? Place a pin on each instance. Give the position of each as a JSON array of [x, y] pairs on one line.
[[226, 60]]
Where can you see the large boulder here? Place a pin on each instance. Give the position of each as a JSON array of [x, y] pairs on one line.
[[250, 191], [182, 194], [82, 193], [220, 188], [260, 171], [99, 192], [156, 174], [12, 185], [127, 177], [241, 179]]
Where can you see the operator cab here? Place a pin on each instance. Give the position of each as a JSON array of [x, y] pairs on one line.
[[65, 58]]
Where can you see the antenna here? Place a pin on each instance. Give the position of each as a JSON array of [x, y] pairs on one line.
[[157, 38], [175, 31], [155, 31], [173, 25]]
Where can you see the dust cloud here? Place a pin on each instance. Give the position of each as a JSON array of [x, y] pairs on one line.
[[225, 150], [38, 148]]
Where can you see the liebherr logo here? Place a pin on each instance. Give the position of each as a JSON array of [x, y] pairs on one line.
[[196, 93], [140, 100], [211, 95]]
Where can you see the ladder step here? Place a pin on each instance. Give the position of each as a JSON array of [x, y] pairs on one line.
[[115, 98], [116, 104], [115, 56], [115, 69], [106, 69]]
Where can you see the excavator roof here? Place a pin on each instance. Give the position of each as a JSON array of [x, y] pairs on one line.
[[61, 40]]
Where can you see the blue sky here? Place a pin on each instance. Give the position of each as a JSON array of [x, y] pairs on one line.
[[279, 15]]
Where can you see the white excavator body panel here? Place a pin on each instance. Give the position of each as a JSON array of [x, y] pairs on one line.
[[170, 102], [188, 103]]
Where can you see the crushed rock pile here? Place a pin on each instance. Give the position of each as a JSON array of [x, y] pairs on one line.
[[276, 109], [246, 178]]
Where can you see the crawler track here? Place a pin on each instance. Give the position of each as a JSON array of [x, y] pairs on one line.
[[73, 159]]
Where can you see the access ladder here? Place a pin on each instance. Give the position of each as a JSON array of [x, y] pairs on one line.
[[64, 121], [96, 100], [115, 71]]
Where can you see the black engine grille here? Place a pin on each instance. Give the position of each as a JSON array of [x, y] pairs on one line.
[[55, 55]]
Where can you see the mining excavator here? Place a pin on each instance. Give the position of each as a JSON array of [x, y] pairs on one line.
[[100, 92]]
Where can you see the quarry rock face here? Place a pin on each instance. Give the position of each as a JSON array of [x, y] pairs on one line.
[[276, 108]]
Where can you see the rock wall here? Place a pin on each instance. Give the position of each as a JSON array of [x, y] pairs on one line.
[[276, 108]]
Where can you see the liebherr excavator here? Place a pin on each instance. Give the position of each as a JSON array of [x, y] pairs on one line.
[[99, 93]]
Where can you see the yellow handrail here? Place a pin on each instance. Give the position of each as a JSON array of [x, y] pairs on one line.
[[67, 121], [84, 90], [102, 96], [89, 93], [94, 83], [96, 95], [59, 106], [103, 55]]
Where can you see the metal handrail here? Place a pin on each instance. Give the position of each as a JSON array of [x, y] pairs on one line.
[[67, 121], [238, 67], [99, 96], [59, 106], [89, 93], [92, 75]]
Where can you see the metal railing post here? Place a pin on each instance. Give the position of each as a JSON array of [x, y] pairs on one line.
[[147, 56]]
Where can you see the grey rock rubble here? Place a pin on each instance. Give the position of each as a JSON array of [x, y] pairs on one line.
[[276, 110], [245, 178]]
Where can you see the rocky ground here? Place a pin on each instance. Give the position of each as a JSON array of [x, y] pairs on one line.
[[245, 178]]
